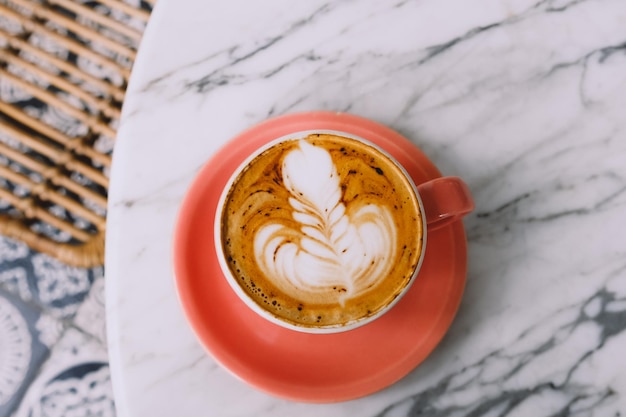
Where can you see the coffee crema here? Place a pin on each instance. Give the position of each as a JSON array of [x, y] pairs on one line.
[[322, 231]]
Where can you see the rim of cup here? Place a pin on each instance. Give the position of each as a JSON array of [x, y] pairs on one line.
[[248, 300]]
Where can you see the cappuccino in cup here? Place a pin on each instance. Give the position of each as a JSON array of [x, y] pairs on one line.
[[320, 231]]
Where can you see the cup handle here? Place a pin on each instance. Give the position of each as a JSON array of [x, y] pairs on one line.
[[445, 200]]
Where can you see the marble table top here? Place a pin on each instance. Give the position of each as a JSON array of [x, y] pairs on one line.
[[524, 99]]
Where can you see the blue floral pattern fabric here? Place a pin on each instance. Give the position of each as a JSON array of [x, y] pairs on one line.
[[39, 278], [42, 304]]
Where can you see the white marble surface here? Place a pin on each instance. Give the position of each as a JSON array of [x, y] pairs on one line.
[[525, 99]]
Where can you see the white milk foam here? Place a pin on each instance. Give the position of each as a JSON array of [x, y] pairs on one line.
[[335, 255]]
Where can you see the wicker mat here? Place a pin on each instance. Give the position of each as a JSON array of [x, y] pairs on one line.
[[64, 66]]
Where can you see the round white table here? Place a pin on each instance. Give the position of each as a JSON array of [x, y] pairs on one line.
[[525, 100]]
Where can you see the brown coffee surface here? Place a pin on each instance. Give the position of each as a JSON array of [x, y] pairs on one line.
[[276, 236]]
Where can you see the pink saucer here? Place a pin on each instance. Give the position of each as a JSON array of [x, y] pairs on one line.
[[313, 367]]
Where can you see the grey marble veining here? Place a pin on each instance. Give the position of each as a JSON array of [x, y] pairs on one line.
[[523, 99]]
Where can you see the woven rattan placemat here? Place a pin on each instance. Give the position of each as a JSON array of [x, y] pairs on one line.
[[64, 65]]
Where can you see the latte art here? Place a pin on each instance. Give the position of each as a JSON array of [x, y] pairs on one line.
[[320, 231], [333, 255]]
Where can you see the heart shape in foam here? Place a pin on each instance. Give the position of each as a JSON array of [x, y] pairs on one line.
[[336, 254]]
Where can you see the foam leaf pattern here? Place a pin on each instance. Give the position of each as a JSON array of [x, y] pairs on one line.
[[333, 256]]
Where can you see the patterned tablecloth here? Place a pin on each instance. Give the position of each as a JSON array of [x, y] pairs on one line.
[[53, 358]]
